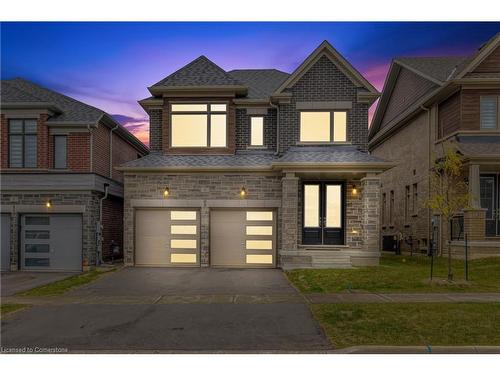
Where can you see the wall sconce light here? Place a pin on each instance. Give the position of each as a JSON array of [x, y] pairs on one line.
[[166, 192], [354, 231], [354, 190], [243, 192], [48, 204]]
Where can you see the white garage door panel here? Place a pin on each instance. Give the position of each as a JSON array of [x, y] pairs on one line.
[[166, 238]]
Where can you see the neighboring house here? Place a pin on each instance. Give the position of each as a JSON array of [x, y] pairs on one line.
[[57, 179], [256, 168], [429, 103]]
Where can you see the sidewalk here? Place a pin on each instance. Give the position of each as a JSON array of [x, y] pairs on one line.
[[315, 298]]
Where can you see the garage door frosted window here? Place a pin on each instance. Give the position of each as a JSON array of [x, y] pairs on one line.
[[183, 215], [183, 229], [183, 244], [259, 230], [259, 259], [259, 215], [183, 258], [259, 244]]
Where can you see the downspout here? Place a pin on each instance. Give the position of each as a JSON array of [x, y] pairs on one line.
[[277, 126], [429, 226], [99, 245], [111, 151]]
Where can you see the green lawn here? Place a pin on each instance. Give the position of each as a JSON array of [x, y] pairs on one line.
[[10, 307], [410, 323], [62, 286], [401, 274]]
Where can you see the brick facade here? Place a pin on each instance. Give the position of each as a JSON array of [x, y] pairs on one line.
[[324, 82], [243, 129]]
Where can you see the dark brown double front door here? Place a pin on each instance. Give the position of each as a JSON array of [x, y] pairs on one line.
[[323, 213]]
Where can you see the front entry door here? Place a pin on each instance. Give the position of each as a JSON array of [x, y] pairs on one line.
[[323, 214]]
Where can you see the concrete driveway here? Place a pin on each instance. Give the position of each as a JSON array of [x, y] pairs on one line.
[[15, 282], [173, 310]]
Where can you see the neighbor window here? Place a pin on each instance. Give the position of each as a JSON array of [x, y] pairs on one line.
[[60, 154], [256, 131], [489, 112], [384, 202], [22, 143], [323, 126], [199, 125], [415, 199], [391, 207]]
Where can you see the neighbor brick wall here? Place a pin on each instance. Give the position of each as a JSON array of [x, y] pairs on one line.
[[324, 82], [112, 221], [408, 89], [408, 148], [78, 145], [89, 217], [122, 152], [155, 129], [43, 142], [100, 150]]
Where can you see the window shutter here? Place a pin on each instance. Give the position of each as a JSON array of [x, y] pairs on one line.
[[60, 151], [488, 112]]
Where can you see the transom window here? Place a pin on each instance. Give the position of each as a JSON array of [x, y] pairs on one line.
[[198, 125], [22, 143], [325, 127], [490, 112], [257, 131]]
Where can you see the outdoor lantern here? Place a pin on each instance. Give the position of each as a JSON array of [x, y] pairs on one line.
[[354, 190], [243, 192], [48, 204], [166, 192]]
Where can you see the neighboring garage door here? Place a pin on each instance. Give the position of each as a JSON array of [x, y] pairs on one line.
[[5, 242], [51, 242], [243, 238], [167, 238]]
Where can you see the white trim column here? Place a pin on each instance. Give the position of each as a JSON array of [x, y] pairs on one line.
[[474, 186]]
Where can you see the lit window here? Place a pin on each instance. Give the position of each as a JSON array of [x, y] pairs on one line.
[[315, 126], [323, 126], [259, 215], [199, 125], [183, 258], [259, 259], [311, 206], [257, 230], [182, 215], [257, 131]]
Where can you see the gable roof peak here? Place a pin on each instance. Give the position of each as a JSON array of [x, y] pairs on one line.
[[325, 48]]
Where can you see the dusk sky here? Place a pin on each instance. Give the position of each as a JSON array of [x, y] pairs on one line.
[[110, 65]]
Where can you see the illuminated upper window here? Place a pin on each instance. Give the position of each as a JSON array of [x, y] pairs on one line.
[[256, 131], [323, 126], [199, 125]]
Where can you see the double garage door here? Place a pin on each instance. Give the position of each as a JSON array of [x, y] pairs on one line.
[[237, 238]]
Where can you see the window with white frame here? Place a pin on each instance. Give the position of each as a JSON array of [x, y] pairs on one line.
[[198, 125], [257, 131], [323, 127]]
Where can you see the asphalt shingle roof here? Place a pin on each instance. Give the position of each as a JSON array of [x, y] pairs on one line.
[[261, 83], [479, 145], [327, 154], [21, 90], [439, 68], [308, 154], [240, 159], [199, 72]]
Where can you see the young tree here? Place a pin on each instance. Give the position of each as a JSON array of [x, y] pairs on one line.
[[449, 193]]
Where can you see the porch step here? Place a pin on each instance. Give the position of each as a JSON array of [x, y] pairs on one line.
[[315, 259]]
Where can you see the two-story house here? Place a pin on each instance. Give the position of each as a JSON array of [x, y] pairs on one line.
[[256, 168], [61, 199], [429, 104]]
